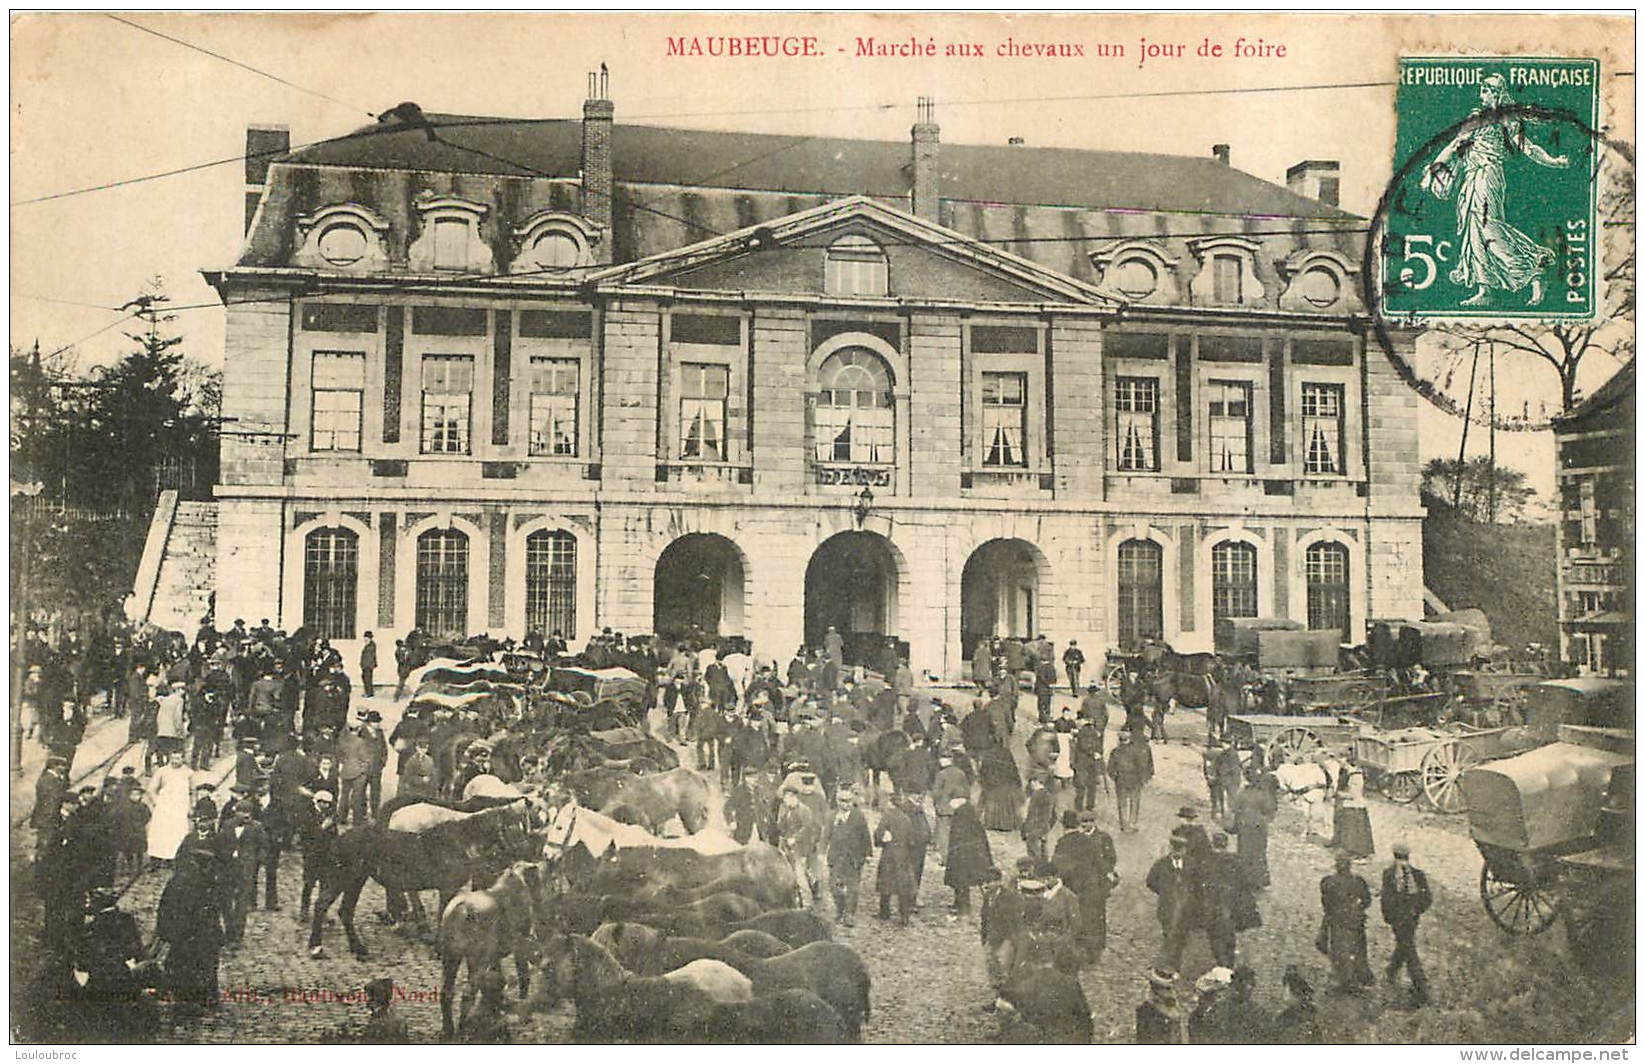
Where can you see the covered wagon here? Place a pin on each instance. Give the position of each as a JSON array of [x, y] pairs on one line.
[[1525, 813]]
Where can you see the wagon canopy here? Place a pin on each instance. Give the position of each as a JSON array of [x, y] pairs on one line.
[[1541, 799], [1587, 700]]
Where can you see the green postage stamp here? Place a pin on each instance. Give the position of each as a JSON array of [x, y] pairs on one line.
[[1491, 211]]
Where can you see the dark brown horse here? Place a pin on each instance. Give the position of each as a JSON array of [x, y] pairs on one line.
[[446, 856], [481, 927]]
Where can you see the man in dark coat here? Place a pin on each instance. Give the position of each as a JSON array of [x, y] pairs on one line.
[[1085, 861], [48, 794], [745, 806], [368, 665], [1073, 660], [1130, 766], [1223, 900], [895, 879], [1405, 897], [1045, 685], [1161, 1018], [849, 845], [919, 841], [1345, 896], [1085, 759], [190, 924], [1173, 879], [110, 952], [241, 844], [969, 863]]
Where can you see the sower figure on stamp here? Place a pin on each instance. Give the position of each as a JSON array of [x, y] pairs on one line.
[[1490, 252]]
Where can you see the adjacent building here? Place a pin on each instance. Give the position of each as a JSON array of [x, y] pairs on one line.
[[498, 375], [1595, 447]]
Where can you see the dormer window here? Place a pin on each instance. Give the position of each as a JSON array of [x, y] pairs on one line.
[[1137, 271], [1228, 271], [1316, 279], [551, 241], [343, 244], [1136, 278], [449, 238], [856, 266], [343, 236]]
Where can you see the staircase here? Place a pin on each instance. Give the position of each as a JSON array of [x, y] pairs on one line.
[[178, 573]]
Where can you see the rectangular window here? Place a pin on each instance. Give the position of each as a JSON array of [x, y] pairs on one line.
[[448, 390], [557, 324], [1004, 419], [1137, 345], [1590, 511], [1230, 424], [339, 393], [1322, 429], [1136, 422], [554, 398], [1227, 279], [704, 389], [340, 317]]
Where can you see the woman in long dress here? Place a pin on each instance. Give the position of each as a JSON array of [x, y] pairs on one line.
[[1353, 819], [1001, 789], [170, 823], [1490, 252]]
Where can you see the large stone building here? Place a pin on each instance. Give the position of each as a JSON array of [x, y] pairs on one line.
[[491, 374], [1595, 445]]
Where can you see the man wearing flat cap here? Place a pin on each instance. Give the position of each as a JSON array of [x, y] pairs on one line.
[[1405, 897], [849, 845], [1161, 1019]]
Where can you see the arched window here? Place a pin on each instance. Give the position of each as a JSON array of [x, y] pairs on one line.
[[1142, 607], [551, 583], [442, 583], [1233, 580], [331, 577], [855, 421], [856, 266], [1326, 569]]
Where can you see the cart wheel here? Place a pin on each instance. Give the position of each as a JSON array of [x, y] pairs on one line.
[[1293, 744], [1402, 787], [1521, 908], [1442, 769], [1111, 681]]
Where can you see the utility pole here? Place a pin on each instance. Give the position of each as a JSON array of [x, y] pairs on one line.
[[1467, 416], [1490, 485], [19, 666]]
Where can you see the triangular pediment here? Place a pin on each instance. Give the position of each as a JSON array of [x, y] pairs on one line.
[[790, 256]]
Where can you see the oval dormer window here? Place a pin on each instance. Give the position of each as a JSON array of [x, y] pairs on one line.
[[1136, 278], [556, 249], [343, 244], [1320, 286]]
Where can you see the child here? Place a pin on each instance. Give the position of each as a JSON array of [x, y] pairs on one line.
[[131, 828]]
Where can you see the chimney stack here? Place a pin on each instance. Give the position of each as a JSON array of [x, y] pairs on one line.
[[926, 201], [1223, 154], [1318, 179], [598, 113], [263, 144]]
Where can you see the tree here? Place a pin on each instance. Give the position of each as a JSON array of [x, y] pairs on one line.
[[1467, 487]]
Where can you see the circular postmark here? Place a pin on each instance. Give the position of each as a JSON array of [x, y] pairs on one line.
[[1446, 251]]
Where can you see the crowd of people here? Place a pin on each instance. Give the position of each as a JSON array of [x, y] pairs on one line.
[[832, 764]]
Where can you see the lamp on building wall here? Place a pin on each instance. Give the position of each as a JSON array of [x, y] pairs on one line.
[[864, 503]]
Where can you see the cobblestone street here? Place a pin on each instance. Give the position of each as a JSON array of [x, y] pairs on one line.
[[929, 980]]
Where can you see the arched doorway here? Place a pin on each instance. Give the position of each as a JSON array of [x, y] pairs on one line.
[[1000, 592], [851, 584], [698, 587]]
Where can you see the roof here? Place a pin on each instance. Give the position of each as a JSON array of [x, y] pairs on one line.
[[835, 166], [1612, 394]]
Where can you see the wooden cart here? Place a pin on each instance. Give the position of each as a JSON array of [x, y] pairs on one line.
[[1335, 692], [1429, 761], [1553, 825], [1289, 738]]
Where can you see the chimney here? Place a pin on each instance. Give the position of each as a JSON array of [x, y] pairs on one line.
[[1222, 153], [925, 198], [597, 178], [1317, 179], [263, 145]]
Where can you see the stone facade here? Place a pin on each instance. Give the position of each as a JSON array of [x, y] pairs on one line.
[[841, 412]]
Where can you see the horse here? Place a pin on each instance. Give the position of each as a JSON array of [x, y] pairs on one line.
[[882, 756], [787, 1017], [797, 927], [756, 943], [445, 856], [481, 927], [833, 972], [610, 1001], [659, 797]]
